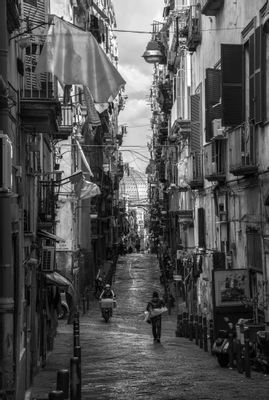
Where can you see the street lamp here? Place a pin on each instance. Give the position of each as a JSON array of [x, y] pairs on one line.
[[153, 53]]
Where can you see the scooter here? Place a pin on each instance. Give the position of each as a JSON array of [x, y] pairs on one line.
[[106, 308], [221, 348]]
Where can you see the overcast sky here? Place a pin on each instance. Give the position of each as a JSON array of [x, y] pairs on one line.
[[136, 15]]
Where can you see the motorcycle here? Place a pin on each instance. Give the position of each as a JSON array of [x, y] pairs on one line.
[[107, 306]]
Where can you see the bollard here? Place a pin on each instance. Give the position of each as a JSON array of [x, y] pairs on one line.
[[77, 354], [246, 354], [76, 315], [56, 395], [230, 350], [191, 328], [179, 326], [76, 340], [196, 329], [205, 342], [75, 387], [200, 331], [211, 334], [63, 382], [76, 325], [184, 324], [238, 352]]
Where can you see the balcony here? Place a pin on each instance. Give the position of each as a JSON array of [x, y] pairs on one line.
[[194, 176], [194, 28], [66, 125], [180, 126], [40, 106], [47, 203], [211, 7], [242, 150], [185, 217], [215, 156]]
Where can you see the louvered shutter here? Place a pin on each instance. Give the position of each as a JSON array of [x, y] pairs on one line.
[[212, 97], [256, 88], [258, 114], [232, 84], [251, 78], [201, 228], [254, 250], [195, 140]]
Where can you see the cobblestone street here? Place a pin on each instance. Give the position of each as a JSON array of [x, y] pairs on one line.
[[120, 360]]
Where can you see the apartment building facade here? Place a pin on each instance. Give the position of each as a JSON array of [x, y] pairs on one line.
[[211, 156]]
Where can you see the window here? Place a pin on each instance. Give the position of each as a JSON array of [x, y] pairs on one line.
[[212, 99]]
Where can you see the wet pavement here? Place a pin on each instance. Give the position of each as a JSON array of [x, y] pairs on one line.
[[121, 362]]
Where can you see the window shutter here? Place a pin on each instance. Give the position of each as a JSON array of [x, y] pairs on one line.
[[212, 97], [251, 78], [254, 250], [232, 84], [201, 227], [259, 87], [195, 140]]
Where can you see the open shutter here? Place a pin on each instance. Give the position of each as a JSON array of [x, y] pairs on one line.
[[195, 140], [254, 250], [259, 87], [201, 228], [256, 88], [251, 78], [212, 97], [232, 84]]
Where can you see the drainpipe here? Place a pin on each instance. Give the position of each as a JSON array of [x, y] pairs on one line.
[[6, 265]]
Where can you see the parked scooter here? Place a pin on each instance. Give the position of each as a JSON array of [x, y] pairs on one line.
[[222, 347], [261, 361]]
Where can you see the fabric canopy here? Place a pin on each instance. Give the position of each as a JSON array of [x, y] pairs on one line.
[[75, 57], [49, 235], [56, 278]]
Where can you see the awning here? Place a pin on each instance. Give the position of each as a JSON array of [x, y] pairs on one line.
[[56, 278], [49, 235]]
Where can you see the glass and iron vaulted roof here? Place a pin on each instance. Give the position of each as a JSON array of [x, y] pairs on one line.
[[134, 186]]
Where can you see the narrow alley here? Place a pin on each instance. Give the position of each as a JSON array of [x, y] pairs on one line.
[[121, 361]]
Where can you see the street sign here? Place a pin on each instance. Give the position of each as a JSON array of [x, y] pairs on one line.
[[177, 277]]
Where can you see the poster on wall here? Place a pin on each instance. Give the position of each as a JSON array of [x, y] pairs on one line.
[[231, 287]]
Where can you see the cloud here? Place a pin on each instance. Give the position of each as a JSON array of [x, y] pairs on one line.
[[137, 82]]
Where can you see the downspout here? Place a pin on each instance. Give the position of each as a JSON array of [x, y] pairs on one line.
[[6, 264]]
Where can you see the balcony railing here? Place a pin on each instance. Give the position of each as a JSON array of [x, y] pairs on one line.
[[211, 7], [242, 150], [40, 107], [215, 156], [47, 202], [66, 125], [194, 176], [194, 28]]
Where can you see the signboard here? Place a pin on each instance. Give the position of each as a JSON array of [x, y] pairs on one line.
[[231, 287], [177, 277]]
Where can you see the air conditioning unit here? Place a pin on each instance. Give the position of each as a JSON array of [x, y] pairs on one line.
[[217, 129], [5, 163], [47, 258]]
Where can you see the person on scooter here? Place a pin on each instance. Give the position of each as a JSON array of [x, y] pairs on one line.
[[107, 293], [156, 321]]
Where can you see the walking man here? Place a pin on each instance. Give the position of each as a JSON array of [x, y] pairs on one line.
[[156, 320]]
